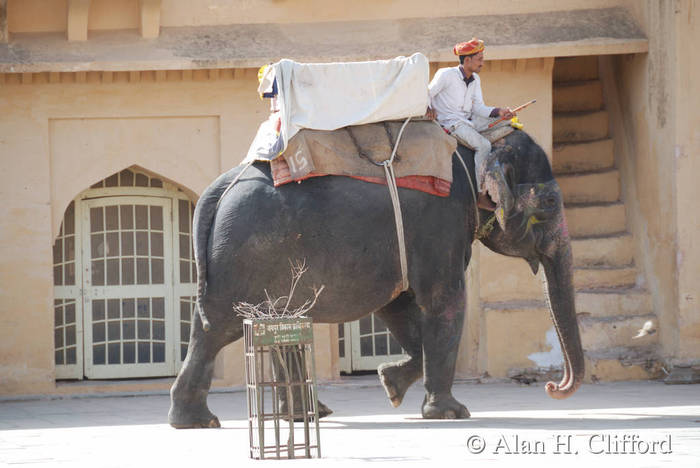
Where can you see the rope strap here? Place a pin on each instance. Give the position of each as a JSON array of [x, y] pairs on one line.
[[230, 186], [479, 233], [394, 193], [471, 186]]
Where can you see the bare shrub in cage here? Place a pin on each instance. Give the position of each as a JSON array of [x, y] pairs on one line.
[[280, 383]]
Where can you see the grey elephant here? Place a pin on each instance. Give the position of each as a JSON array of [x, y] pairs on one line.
[[344, 229]]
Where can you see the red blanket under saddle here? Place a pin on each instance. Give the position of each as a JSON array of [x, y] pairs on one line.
[[427, 184]]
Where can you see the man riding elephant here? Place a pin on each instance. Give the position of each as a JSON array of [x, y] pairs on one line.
[[457, 102]]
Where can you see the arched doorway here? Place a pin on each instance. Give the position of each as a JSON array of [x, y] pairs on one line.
[[124, 279]]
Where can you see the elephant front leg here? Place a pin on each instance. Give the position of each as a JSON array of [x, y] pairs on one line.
[[403, 318], [441, 330]]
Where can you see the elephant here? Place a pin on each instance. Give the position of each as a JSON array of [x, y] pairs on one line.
[[344, 229]]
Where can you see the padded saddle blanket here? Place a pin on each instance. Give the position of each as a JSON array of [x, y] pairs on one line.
[[423, 158]]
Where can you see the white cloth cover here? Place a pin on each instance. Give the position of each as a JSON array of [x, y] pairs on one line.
[[328, 96]]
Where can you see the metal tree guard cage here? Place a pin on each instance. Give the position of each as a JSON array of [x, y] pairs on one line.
[[281, 388]]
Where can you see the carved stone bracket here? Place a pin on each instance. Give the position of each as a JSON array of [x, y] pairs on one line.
[[78, 20], [150, 18], [4, 34]]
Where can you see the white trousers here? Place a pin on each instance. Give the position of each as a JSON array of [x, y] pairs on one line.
[[480, 145]]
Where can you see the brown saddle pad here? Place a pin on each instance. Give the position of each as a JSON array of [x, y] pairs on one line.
[[424, 150]]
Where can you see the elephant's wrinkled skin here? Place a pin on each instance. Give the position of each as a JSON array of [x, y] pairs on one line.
[[344, 229]]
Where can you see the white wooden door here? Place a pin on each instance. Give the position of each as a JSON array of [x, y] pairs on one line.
[[129, 326], [366, 344], [68, 304], [185, 273], [344, 348]]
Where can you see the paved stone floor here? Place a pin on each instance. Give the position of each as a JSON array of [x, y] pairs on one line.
[[508, 423]]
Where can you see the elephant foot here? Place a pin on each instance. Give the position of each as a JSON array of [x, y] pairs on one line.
[[203, 420], [396, 377], [323, 411], [443, 407], [213, 423]]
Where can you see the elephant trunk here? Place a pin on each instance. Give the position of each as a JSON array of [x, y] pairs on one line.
[[560, 299]]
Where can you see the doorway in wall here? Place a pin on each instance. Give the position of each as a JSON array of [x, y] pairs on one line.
[[124, 280], [366, 343]]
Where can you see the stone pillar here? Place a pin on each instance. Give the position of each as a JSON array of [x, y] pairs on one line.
[[687, 167]]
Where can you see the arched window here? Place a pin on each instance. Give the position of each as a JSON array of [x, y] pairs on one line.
[[124, 279]]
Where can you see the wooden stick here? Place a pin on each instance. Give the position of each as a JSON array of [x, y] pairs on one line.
[[514, 111]]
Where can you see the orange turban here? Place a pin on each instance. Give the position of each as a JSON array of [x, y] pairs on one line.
[[469, 48]]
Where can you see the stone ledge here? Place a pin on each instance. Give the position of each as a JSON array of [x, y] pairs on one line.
[[118, 77], [214, 74], [550, 34]]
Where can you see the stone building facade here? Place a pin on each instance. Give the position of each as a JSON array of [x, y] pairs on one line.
[[116, 115]]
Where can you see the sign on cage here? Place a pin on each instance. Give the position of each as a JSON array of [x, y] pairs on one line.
[[281, 388]]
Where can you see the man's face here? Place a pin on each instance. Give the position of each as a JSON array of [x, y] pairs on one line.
[[473, 63]]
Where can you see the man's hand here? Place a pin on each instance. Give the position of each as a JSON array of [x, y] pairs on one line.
[[430, 114], [505, 112]]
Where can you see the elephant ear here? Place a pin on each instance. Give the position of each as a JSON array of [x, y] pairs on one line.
[[498, 181]]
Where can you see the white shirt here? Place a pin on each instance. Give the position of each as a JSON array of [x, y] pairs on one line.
[[453, 101]]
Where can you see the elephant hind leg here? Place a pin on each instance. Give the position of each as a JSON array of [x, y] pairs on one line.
[[402, 317], [397, 377], [188, 395]]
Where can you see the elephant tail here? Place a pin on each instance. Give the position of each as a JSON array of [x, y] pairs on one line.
[[204, 214], [202, 221]]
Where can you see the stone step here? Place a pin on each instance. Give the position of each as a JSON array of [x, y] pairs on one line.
[[570, 127], [597, 278], [611, 251], [583, 156], [577, 96], [613, 302], [597, 219], [575, 68], [590, 187], [611, 332], [624, 363]]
